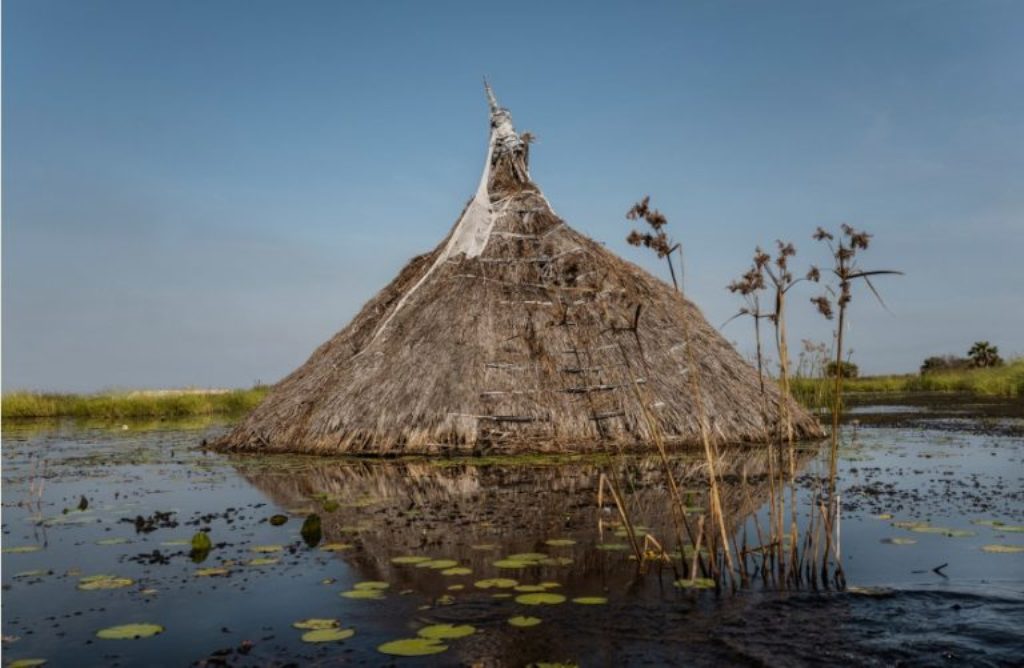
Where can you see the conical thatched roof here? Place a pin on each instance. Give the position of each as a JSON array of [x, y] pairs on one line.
[[516, 333]]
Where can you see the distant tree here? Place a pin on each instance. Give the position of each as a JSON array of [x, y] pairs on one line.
[[944, 363], [984, 354], [848, 369]]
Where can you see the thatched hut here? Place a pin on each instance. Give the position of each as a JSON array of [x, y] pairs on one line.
[[516, 333]]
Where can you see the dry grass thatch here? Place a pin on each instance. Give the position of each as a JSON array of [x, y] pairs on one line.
[[528, 341]]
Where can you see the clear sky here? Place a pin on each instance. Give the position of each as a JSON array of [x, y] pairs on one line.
[[199, 193]]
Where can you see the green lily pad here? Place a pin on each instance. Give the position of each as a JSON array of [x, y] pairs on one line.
[[1010, 528], [527, 556], [590, 600], [264, 561], [412, 647], [212, 572], [35, 573], [21, 549], [266, 549], [531, 588], [410, 560], [375, 585], [523, 621], [129, 631], [176, 542], [446, 631], [112, 541], [316, 623], [97, 582], [201, 542], [335, 547], [495, 583], [613, 547], [363, 594], [540, 598], [458, 570], [327, 635], [884, 516], [555, 561], [560, 542], [438, 564], [485, 547], [1003, 549], [512, 564], [26, 663], [456, 587], [988, 523], [909, 524], [696, 583]]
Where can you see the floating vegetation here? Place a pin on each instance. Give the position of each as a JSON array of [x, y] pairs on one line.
[[277, 520], [266, 549], [590, 600], [264, 561], [884, 516], [950, 533], [512, 564], [201, 542], [695, 583], [909, 524], [36, 573], [485, 547], [212, 572], [371, 585], [311, 531], [112, 541], [446, 631], [523, 621], [409, 559], [457, 570], [1010, 528], [177, 542], [97, 582], [412, 647], [327, 635], [456, 587], [530, 588], [21, 549], [316, 623], [1003, 549], [560, 542], [438, 564], [129, 631], [336, 547], [899, 541], [363, 594], [541, 598], [26, 663], [496, 583], [613, 547]]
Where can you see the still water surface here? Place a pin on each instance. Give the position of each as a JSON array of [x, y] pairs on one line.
[[149, 487]]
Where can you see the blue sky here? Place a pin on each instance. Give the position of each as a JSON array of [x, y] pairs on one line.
[[199, 193]]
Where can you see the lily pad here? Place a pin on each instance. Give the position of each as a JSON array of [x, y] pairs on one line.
[[899, 541], [438, 564], [458, 570], [278, 520], [696, 583], [512, 564], [316, 623], [335, 547], [527, 556], [21, 549], [531, 588], [446, 631], [363, 594], [26, 663], [560, 542], [129, 631], [264, 561], [1010, 528], [495, 583], [909, 524], [590, 600], [555, 561], [375, 585], [97, 582], [884, 516], [1003, 549], [523, 621], [112, 541], [410, 559], [412, 647], [212, 572], [266, 549], [613, 547], [327, 635], [540, 598]]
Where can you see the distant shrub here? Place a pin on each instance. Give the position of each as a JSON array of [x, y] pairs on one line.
[[847, 369], [983, 355], [945, 363]]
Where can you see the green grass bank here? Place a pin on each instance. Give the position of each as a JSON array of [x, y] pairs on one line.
[[145, 404]]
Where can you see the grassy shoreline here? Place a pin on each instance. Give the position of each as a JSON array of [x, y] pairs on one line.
[[1004, 381], [153, 404]]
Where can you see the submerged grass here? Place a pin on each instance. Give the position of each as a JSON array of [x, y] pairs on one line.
[[158, 404], [1003, 381]]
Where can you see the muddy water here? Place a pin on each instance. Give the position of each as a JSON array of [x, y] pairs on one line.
[[954, 477]]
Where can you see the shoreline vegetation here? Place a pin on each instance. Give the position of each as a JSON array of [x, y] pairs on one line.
[[1002, 381]]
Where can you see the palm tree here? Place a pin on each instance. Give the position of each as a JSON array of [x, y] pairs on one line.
[[984, 354]]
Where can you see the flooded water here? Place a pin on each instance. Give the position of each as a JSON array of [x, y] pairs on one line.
[[932, 547]]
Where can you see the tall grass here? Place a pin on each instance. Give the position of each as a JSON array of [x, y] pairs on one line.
[[1002, 381], [18, 405]]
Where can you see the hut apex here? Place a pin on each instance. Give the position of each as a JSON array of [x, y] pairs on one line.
[[516, 333]]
